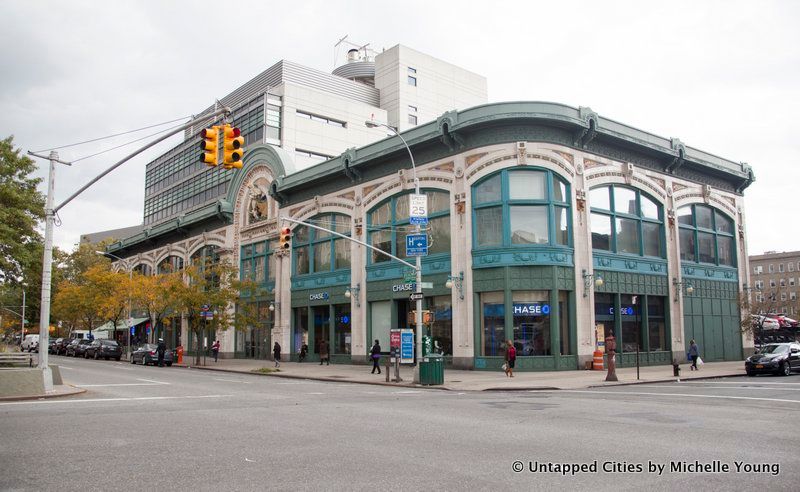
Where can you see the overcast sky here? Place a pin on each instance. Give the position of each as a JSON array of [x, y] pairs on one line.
[[723, 76]]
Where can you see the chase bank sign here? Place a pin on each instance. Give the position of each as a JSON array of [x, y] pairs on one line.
[[318, 296], [531, 309]]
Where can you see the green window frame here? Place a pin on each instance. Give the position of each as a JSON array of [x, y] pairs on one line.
[[257, 262], [706, 235], [388, 224], [516, 208], [316, 251], [631, 230]]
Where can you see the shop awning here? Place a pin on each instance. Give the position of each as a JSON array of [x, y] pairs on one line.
[[109, 326]]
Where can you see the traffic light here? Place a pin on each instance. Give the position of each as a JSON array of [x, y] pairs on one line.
[[286, 237], [233, 147], [210, 145]]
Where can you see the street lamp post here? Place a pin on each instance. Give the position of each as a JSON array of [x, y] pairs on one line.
[[130, 279], [418, 312]]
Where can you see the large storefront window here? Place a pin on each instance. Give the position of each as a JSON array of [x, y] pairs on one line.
[[625, 220], [381, 321], [521, 207], [492, 323], [563, 310], [442, 324], [531, 310], [706, 236], [657, 327], [389, 224], [317, 251], [635, 321], [630, 312], [342, 334]]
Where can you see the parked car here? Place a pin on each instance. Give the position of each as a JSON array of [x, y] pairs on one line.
[[776, 358], [146, 354], [764, 322], [61, 345], [51, 345], [103, 349], [77, 347], [30, 343], [783, 321]]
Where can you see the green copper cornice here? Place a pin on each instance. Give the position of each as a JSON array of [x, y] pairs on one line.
[[456, 131]]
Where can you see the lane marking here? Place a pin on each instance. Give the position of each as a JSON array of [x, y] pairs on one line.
[[642, 393], [114, 384], [739, 383], [151, 381], [232, 381], [65, 367], [315, 393], [101, 400], [730, 388]]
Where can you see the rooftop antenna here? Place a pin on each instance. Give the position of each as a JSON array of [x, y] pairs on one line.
[[336, 47]]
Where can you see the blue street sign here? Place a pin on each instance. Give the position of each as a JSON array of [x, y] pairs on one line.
[[418, 220], [417, 245]]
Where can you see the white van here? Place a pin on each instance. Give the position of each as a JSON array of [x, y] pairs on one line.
[[30, 343]]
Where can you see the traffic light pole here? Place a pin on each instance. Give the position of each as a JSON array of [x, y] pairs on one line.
[[50, 212]]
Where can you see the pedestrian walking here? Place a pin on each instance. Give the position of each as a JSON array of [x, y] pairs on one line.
[[375, 353], [215, 350], [276, 351], [693, 355], [511, 358], [160, 349], [303, 352], [324, 356]]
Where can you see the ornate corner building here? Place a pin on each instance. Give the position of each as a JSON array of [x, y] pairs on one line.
[[549, 225]]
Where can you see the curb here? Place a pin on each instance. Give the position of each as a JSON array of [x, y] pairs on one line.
[[668, 380], [73, 392], [312, 378]]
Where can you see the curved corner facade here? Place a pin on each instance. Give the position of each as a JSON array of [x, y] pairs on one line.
[[548, 225]]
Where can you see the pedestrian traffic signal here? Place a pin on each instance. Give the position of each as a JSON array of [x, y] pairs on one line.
[[210, 146], [286, 237], [233, 147]]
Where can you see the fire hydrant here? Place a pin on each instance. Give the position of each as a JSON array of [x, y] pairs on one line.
[[179, 350], [676, 368]]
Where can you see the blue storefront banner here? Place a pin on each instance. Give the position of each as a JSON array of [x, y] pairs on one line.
[[518, 309]]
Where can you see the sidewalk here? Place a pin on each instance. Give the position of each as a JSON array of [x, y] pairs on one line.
[[460, 380]]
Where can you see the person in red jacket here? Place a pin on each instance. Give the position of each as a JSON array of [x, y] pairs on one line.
[[215, 349], [511, 358]]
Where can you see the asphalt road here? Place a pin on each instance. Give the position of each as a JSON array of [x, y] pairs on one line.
[[144, 428]]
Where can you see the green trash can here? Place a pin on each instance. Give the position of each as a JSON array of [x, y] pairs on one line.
[[431, 370]]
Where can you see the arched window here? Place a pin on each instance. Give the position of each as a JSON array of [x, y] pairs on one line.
[[706, 236], [625, 220], [317, 251], [521, 207], [389, 225], [170, 264]]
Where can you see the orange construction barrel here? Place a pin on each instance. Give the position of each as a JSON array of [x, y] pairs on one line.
[[597, 361]]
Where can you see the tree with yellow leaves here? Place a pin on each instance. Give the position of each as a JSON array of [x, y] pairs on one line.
[[214, 285]]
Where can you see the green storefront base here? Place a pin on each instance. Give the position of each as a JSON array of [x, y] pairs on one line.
[[538, 363], [645, 359]]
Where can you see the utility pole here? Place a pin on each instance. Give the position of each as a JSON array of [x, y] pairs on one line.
[[50, 211]]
